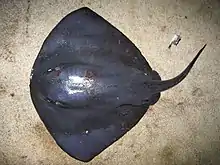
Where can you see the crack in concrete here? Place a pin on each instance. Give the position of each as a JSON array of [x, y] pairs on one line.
[[27, 17]]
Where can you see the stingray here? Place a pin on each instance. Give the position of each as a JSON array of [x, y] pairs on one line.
[[90, 84]]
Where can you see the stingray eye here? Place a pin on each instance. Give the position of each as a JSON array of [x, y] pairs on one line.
[[89, 74], [55, 71], [58, 103], [62, 104]]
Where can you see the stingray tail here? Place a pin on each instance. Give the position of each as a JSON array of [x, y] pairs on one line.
[[159, 86]]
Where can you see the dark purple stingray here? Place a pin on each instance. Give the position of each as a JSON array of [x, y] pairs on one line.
[[90, 84]]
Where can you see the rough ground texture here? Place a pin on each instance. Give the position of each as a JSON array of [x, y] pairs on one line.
[[181, 129]]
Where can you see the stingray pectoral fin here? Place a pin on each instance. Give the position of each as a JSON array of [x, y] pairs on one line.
[[158, 86], [88, 145]]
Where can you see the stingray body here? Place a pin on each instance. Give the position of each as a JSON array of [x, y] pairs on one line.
[[90, 84]]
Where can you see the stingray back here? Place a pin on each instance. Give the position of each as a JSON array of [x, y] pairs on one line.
[[81, 126]]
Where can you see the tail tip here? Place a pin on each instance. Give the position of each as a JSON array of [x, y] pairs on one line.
[[200, 51]]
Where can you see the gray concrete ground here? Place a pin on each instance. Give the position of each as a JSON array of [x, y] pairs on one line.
[[181, 129]]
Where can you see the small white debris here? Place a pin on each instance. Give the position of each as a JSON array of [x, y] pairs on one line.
[[48, 100], [31, 76], [87, 131], [117, 98], [57, 103], [49, 70], [57, 68], [145, 74], [175, 40], [31, 73]]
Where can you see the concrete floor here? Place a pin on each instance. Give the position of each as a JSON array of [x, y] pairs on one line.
[[181, 129]]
